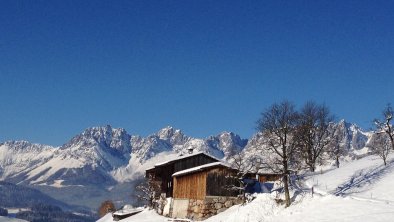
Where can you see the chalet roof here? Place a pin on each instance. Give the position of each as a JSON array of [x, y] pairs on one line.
[[200, 168], [184, 157]]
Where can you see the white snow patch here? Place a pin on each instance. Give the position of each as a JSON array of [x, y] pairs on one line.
[[199, 168], [52, 166], [144, 216]]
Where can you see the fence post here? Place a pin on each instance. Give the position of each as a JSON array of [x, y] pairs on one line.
[[312, 191]]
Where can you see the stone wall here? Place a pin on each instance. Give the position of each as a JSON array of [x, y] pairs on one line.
[[211, 205]]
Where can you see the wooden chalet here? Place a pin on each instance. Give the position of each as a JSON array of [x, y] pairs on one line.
[[162, 172], [197, 185]]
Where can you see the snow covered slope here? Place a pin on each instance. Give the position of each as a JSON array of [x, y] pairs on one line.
[[18, 158], [366, 178], [360, 190]]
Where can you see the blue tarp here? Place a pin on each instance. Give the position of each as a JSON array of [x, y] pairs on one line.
[[255, 186]]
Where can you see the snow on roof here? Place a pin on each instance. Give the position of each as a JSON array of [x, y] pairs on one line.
[[123, 212], [150, 168], [199, 168], [185, 156]]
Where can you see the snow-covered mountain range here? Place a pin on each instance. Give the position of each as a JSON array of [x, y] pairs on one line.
[[95, 155], [106, 156]]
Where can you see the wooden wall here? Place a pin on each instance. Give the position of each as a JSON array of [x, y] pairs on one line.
[[191, 186], [219, 182], [192, 161]]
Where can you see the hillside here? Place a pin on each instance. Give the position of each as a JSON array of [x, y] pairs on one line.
[[14, 196], [360, 190], [7, 219]]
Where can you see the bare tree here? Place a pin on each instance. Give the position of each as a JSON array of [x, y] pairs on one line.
[[336, 149], [385, 125], [278, 126], [313, 132], [381, 146], [242, 166], [148, 191]]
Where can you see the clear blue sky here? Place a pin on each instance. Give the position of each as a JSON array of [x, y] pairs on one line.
[[201, 66]]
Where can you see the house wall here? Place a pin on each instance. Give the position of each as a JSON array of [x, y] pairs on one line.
[[192, 186], [205, 192], [219, 181], [192, 161], [166, 178]]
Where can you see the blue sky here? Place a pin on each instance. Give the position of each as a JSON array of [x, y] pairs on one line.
[[201, 66]]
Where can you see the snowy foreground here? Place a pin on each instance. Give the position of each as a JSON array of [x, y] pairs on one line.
[[360, 190]]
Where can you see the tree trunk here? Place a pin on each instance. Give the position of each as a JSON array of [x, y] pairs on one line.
[[310, 159], [390, 133], [337, 161], [286, 187]]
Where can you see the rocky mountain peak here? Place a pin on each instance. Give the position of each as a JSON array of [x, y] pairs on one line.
[[104, 136], [166, 132], [172, 136], [231, 139], [350, 134]]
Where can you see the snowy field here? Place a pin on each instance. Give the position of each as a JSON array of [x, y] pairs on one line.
[[360, 190]]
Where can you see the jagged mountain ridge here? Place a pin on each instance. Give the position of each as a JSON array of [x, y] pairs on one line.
[[98, 153], [92, 156]]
